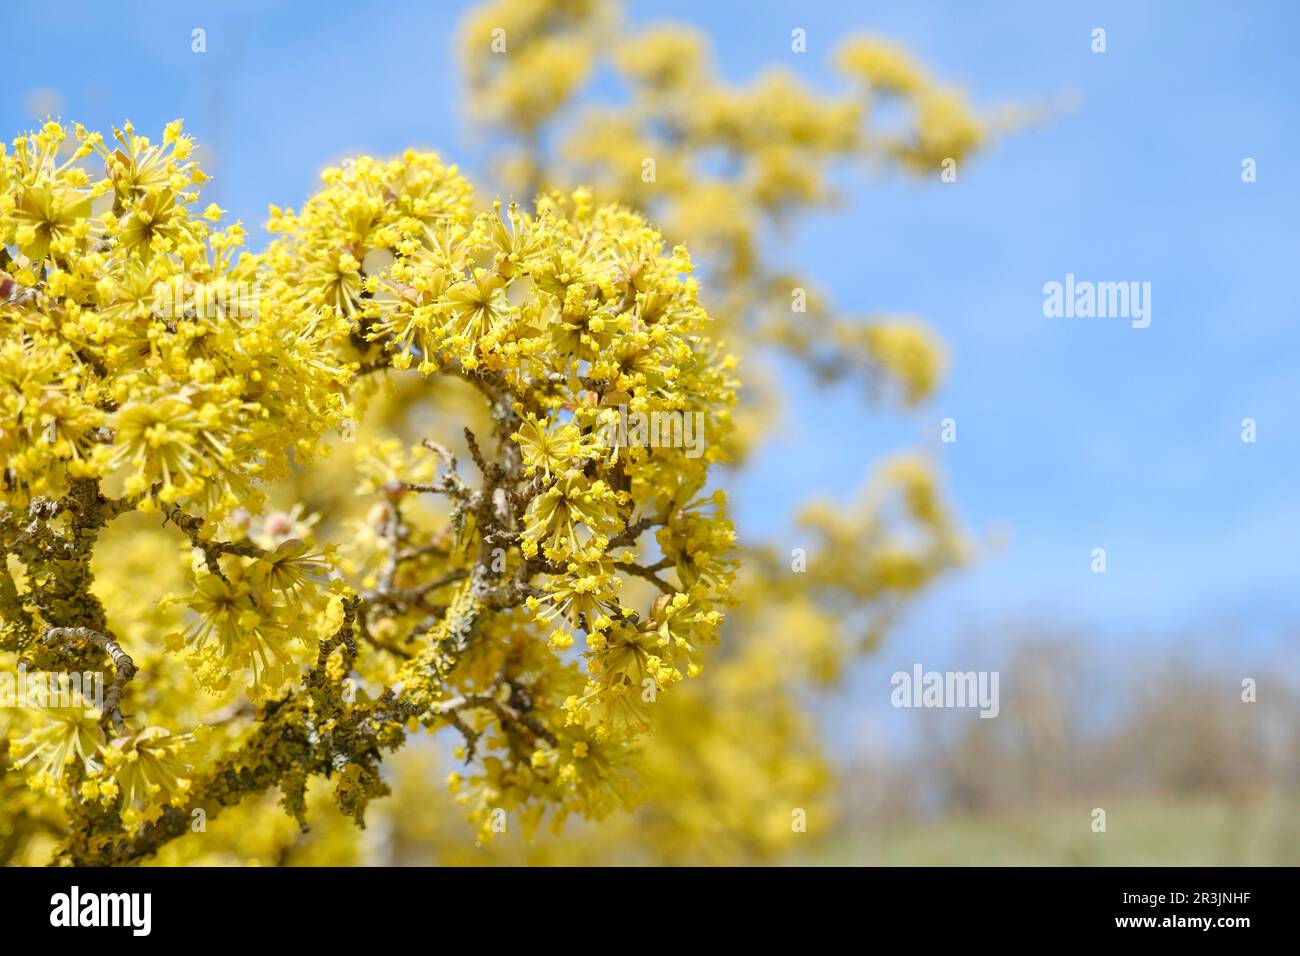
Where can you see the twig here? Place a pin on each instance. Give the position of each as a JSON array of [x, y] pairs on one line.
[[633, 531], [649, 575], [212, 550], [124, 668], [408, 596]]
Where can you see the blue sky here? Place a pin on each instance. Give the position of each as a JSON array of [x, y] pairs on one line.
[[1072, 434]]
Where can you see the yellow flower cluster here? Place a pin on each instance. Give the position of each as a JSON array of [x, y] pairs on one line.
[[134, 345], [943, 125], [367, 209], [527, 58], [568, 319], [540, 613], [141, 773], [717, 163], [251, 615]]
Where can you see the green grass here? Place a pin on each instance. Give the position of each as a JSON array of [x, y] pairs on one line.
[[1140, 831]]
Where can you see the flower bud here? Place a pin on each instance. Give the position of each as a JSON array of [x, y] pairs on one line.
[[278, 524]]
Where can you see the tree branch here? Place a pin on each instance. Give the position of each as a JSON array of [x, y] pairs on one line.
[[124, 668]]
